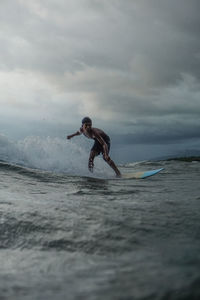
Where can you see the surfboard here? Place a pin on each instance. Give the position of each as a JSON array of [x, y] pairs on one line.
[[141, 175]]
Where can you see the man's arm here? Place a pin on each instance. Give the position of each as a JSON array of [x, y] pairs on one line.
[[74, 134]]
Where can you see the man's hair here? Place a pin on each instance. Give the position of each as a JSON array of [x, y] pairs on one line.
[[86, 120]]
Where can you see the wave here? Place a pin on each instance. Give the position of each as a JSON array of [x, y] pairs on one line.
[[50, 154], [61, 156], [44, 176]]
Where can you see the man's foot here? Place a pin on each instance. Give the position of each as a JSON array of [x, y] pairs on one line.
[[118, 175]]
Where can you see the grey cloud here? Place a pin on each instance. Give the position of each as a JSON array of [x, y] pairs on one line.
[[138, 61], [156, 40], [159, 135]]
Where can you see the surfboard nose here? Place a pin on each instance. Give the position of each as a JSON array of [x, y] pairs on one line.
[[142, 174], [151, 173]]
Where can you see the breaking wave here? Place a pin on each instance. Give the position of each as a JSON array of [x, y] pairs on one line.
[[51, 154]]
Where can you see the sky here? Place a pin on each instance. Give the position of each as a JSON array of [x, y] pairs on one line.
[[133, 66]]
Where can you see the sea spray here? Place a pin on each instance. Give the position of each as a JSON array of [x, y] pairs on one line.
[[52, 154]]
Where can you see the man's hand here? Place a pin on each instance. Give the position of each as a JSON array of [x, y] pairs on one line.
[[72, 135]]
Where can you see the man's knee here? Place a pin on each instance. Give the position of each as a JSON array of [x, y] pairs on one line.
[[107, 159], [93, 154]]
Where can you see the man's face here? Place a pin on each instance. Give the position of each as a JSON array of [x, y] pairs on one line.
[[87, 126]]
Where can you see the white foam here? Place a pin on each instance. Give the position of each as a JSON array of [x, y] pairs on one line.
[[52, 154]]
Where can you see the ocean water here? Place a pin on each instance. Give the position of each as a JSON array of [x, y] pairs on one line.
[[67, 235]]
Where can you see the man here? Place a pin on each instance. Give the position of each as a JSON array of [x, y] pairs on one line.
[[101, 144]]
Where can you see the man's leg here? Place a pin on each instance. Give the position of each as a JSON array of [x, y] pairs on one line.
[[113, 166], [91, 160]]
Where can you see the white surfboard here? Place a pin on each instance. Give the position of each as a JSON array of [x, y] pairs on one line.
[[141, 175]]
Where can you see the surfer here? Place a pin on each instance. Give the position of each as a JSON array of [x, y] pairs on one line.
[[101, 144]]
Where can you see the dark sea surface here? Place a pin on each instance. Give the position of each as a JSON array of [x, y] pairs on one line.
[[66, 236]]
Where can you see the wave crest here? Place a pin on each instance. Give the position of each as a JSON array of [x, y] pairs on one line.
[[51, 154]]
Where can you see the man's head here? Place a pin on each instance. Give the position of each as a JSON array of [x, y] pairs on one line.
[[87, 121]]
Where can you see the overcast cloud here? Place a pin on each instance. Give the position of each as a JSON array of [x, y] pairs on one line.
[[132, 65]]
